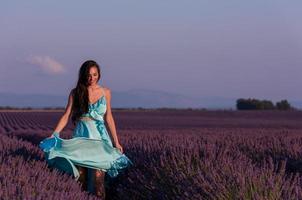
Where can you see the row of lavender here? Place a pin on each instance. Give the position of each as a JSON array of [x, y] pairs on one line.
[[142, 120], [189, 163], [24, 174], [215, 164], [199, 164]]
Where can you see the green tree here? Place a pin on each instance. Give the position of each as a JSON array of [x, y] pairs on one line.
[[283, 105]]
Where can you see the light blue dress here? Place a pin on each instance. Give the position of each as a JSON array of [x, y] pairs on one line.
[[89, 147]]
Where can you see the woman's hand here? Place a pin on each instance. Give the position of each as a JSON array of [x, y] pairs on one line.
[[53, 133], [119, 147]]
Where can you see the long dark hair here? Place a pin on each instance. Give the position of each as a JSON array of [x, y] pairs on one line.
[[80, 92]]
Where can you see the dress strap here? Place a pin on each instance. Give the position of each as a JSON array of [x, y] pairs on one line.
[[103, 91]]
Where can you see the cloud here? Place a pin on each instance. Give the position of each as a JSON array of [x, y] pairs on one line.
[[47, 64]]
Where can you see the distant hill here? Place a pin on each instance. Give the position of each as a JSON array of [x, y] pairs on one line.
[[31, 100], [296, 104], [128, 99], [155, 99]]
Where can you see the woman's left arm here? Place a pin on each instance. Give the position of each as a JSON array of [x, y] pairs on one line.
[[110, 121]]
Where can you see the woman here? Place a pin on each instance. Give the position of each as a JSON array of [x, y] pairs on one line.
[[90, 147]]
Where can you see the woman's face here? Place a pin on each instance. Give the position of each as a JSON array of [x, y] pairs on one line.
[[93, 76]]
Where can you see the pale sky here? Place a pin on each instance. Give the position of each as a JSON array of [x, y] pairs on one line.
[[231, 48]]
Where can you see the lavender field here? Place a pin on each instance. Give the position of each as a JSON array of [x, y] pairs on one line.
[[176, 155]]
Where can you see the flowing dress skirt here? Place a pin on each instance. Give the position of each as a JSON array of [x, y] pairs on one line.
[[89, 147]]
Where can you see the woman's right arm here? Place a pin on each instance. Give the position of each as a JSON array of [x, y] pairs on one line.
[[65, 117]]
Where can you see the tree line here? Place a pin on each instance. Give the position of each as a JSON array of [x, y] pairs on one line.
[[256, 104]]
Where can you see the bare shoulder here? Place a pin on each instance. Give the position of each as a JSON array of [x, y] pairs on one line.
[[107, 93], [107, 90]]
